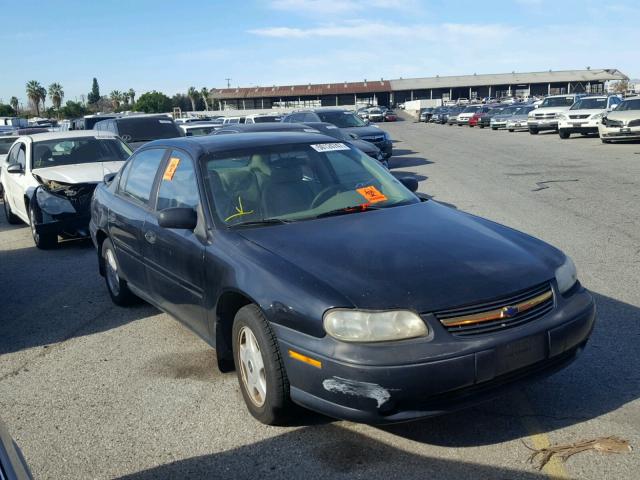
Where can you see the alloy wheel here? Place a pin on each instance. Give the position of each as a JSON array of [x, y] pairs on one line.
[[252, 367]]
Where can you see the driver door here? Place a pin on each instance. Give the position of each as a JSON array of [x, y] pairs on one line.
[[16, 184]]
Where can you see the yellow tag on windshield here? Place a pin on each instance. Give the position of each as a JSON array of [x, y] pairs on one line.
[[372, 194], [171, 169]]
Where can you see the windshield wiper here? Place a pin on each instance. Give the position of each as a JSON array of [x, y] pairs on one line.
[[264, 221], [347, 210]]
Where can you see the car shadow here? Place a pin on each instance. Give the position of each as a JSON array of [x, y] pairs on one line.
[[404, 162], [321, 452], [601, 381], [398, 152], [407, 173]]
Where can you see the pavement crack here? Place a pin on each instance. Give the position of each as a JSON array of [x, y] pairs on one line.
[[543, 185]]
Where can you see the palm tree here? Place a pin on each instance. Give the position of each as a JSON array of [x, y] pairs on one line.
[[116, 98], [193, 94], [204, 93], [125, 98], [14, 103], [33, 94], [56, 94], [132, 95], [43, 96]]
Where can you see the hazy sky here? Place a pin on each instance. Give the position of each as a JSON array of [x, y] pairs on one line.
[[171, 45]]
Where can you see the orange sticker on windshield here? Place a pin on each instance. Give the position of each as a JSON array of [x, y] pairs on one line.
[[372, 194], [171, 169]]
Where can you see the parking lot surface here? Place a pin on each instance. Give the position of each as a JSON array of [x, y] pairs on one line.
[[90, 390]]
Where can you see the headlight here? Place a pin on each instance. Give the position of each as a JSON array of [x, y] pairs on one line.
[[53, 204], [361, 326], [597, 116], [566, 275], [562, 116]]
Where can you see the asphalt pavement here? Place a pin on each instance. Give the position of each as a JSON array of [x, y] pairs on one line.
[[90, 390]]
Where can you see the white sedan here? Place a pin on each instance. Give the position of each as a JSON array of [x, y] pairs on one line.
[[623, 123]]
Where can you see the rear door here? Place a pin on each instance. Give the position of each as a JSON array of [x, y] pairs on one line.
[[128, 211], [174, 258]]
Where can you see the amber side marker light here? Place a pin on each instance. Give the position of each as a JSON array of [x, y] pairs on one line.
[[305, 359]]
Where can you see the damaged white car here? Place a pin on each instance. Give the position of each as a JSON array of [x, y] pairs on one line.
[[49, 178]]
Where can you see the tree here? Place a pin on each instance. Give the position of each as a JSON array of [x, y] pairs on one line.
[[132, 95], [125, 98], [193, 95], [43, 96], [73, 110], [153, 102], [621, 86], [116, 98], [6, 110], [204, 93], [94, 94], [56, 94], [14, 103], [34, 90]]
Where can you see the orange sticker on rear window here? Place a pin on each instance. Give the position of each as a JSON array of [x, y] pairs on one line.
[[171, 169], [372, 194]]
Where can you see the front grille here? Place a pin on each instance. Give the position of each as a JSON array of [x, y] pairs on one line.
[[545, 115], [577, 117], [517, 309], [634, 123], [376, 139]]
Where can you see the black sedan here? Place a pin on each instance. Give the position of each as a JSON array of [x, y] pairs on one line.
[[326, 282]]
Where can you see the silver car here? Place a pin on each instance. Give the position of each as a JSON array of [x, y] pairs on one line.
[[500, 121], [12, 464], [518, 121]]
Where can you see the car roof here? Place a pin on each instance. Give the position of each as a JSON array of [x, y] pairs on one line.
[[198, 146], [137, 118], [263, 127], [39, 137]]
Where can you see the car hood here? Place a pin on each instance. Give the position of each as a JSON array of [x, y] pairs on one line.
[[518, 118], [366, 131], [551, 109], [79, 172], [366, 147], [424, 257], [589, 111], [624, 115]]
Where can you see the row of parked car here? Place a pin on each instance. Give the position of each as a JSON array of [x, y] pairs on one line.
[[377, 114], [609, 116]]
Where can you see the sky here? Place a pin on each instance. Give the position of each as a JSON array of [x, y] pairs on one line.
[[172, 45]]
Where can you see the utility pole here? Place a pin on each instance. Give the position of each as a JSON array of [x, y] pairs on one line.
[[228, 82]]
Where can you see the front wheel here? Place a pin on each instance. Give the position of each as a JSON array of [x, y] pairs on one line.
[[511, 130], [605, 141], [44, 241], [563, 135], [533, 131], [260, 368], [494, 128], [118, 289]]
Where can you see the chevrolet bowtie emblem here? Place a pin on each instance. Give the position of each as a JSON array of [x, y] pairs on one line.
[[508, 312]]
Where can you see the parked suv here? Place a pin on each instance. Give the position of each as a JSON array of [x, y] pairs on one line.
[[140, 129], [349, 122], [546, 116], [585, 115]]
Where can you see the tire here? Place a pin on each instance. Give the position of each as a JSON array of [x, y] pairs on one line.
[[118, 289], [494, 128], [533, 131], [44, 241], [605, 141], [266, 395], [480, 126], [511, 130], [563, 135], [8, 214]]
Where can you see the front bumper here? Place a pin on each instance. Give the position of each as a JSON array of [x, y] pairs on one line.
[[386, 147], [619, 133], [75, 225], [542, 124], [517, 125], [352, 385], [579, 126]]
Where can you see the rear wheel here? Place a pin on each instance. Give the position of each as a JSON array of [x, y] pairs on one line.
[[44, 241], [563, 135], [118, 289], [8, 214], [260, 368]]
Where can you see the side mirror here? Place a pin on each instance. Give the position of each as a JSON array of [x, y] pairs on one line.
[[614, 106], [410, 182], [108, 178], [354, 136], [15, 168], [182, 218]]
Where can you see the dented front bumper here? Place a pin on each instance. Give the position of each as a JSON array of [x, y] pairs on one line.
[[349, 382]]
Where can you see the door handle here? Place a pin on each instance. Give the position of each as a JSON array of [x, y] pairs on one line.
[[150, 237]]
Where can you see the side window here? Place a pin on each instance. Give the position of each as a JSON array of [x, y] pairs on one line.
[[21, 157], [178, 186], [139, 180], [12, 157]]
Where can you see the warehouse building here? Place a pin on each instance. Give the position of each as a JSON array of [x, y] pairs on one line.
[[391, 92]]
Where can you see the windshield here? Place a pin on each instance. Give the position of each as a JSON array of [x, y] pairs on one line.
[[341, 119], [471, 109], [266, 118], [629, 105], [89, 122], [71, 151], [298, 182], [5, 144], [524, 110], [332, 131], [557, 102], [590, 104], [146, 129], [198, 131]]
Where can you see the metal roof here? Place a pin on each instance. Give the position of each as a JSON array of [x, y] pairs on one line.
[[303, 90], [514, 78]]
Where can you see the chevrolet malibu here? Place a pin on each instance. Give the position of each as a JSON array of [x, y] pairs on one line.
[[326, 282]]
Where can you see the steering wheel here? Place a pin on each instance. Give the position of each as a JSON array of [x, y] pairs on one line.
[[324, 194]]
